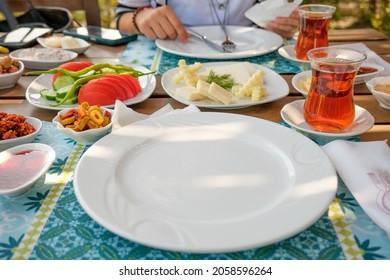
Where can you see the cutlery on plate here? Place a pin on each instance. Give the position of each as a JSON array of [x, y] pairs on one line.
[[206, 40], [227, 45]]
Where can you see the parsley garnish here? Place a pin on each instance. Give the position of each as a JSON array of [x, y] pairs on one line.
[[226, 81]]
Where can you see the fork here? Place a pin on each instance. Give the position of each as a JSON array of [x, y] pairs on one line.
[[227, 45]]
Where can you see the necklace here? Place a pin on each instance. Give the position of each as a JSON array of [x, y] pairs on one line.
[[221, 6]]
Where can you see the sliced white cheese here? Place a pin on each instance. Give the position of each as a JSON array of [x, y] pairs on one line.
[[203, 88], [220, 93], [240, 72], [189, 93]]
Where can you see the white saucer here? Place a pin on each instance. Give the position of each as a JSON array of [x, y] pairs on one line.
[[288, 53], [292, 114]]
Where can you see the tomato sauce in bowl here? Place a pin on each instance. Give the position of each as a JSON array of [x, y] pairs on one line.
[[22, 166]]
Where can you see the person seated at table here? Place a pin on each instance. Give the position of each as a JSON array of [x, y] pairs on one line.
[[161, 19]]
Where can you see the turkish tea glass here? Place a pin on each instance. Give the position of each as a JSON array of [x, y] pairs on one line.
[[313, 29], [329, 106]]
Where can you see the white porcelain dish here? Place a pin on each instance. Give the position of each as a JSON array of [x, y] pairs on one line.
[[382, 97], [43, 58], [148, 84], [277, 88], [9, 80], [9, 143], [86, 137], [363, 78], [83, 45], [299, 78], [288, 53], [292, 114], [250, 42], [205, 182], [22, 173]]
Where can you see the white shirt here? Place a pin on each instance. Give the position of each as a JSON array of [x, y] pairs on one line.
[[197, 12]]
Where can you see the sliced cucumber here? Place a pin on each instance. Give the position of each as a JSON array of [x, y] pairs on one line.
[[63, 81], [48, 94], [60, 93], [69, 101]]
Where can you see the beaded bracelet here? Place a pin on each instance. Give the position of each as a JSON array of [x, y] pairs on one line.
[[137, 11]]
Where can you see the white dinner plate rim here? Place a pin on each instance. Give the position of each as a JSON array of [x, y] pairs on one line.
[[93, 202], [272, 43], [43, 64], [45, 79], [281, 91], [359, 111]]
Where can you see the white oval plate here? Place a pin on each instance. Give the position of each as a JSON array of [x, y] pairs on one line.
[[42, 58], [6, 144], [277, 88], [50, 156], [250, 42], [84, 45], [362, 78], [292, 114], [205, 182], [148, 84]]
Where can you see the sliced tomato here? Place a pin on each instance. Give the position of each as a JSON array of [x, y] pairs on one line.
[[72, 66], [96, 98]]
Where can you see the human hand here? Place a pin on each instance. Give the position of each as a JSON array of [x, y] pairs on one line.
[[161, 23], [285, 26]]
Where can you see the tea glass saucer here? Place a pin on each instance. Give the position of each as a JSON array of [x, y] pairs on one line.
[[292, 114], [288, 53]]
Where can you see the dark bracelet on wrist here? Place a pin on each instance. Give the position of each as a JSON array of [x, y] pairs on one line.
[[136, 13]]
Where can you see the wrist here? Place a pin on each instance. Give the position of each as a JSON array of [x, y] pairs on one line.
[[136, 14]]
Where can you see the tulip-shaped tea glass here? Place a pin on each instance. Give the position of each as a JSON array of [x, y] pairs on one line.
[[313, 30], [329, 106]]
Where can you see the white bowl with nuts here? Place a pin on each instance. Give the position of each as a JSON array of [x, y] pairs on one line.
[[380, 88], [10, 71]]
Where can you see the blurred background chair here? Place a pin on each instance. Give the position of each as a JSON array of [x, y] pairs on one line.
[[90, 7]]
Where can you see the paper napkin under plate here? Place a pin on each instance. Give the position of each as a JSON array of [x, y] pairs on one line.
[[365, 169], [268, 10], [124, 116]]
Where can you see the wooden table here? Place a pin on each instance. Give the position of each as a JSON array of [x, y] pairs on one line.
[[13, 100]]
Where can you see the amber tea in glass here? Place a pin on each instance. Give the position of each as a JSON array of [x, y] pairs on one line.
[[313, 30], [329, 106]]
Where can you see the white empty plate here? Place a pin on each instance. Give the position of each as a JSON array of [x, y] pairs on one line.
[[205, 182]]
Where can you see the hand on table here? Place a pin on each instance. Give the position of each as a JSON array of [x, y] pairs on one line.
[[161, 23]]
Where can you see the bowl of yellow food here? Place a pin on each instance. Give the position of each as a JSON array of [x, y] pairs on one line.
[[380, 89], [301, 82], [84, 124]]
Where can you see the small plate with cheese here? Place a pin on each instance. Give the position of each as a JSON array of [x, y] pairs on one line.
[[253, 84], [69, 43]]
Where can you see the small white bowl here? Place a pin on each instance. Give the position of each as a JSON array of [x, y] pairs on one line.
[[86, 137], [6, 144], [298, 80], [84, 45], [9, 80], [28, 162], [382, 97]]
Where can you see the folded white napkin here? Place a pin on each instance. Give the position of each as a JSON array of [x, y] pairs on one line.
[[365, 170], [268, 10], [372, 57], [123, 115]]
